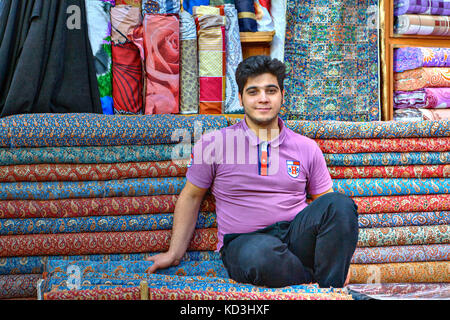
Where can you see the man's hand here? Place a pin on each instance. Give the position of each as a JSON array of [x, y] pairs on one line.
[[162, 261]]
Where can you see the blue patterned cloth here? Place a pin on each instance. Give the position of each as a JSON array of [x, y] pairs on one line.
[[142, 222], [90, 189], [387, 159]]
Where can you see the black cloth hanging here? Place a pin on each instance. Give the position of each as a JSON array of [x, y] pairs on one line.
[[46, 62]]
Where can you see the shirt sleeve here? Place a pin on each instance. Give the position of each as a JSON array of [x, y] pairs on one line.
[[201, 169], [319, 177]]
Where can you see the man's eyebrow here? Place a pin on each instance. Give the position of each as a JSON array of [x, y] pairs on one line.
[[263, 87]]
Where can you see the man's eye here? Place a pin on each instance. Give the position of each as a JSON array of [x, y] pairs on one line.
[[272, 91], [252, 92]]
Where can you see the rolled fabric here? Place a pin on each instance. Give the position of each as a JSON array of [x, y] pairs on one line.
[[85, 207], [134, 3], [17, 158], [263, 17], [246, 16], [395, 254], [100, 242], [410, 99], [87, 172], [409, 58], [402, 291], [189, 82], [408, 114], [37, 264], [435, 114], [158, 42], [233, 58], [116, 293], [416, 272], [409, 171], [391, 187], [140, 222], [437, 98], [388, 159], [90, 189], [372, 130], [212, 59], [403, 236], [436, 7], [160, 6], [416, 203], [432, 77], [422, 25], [278, 10], [18, 286], [188, 5], [403, 219], [383, 145], [98, 15], [127, 65]]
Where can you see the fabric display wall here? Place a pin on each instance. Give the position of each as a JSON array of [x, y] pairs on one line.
[[332, 55], [422, 17], [422, 83]]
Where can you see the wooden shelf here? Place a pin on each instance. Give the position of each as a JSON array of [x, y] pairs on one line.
[[389, 41], [256, 43]]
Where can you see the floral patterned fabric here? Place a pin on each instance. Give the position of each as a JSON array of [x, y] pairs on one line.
[[409, 58]]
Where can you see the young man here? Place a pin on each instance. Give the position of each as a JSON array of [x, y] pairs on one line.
[[260, 173]]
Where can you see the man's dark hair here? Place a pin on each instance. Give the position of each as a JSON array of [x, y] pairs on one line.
[[256, 65]]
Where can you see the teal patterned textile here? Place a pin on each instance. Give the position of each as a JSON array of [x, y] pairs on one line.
[[331, 51], [387, 159]]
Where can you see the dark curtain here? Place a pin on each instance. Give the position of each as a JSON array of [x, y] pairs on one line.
[[46, 63]]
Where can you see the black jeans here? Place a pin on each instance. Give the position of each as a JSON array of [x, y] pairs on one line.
[[316, 246]]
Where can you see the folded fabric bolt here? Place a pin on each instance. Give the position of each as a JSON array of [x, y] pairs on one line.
[[142, 222], [403, 219], [403, 291], [422, 24], [437, 7], [410, 99], [18, 286], [387, 159], [88, 172], [391, 187], [408, 171], [394, 254], [90, 189], [404, 203], [416, 272], [60, 130], [84, 207], [93, 155], [425, 77], [384, 145], [369, 130], [402, 236], [409, 58], [100, 242]]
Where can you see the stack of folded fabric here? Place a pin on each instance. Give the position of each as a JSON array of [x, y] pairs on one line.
[[429, 17], [83, 185], [398, 173], [422, 83]]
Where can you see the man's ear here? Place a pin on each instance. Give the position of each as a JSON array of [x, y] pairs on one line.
[[240, 99], [282, 96]]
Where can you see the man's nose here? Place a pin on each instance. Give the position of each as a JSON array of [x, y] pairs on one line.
[[263, 96]]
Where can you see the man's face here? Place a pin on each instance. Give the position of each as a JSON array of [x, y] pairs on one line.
[[262, 99]]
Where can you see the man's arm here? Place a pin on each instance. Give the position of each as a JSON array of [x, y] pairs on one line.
[[185, 217], [315, 196]]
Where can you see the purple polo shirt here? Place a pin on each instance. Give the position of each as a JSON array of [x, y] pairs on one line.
[[229, 161]]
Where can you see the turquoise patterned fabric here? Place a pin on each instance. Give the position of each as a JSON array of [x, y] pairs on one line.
[[90, 189], [390, 187], [107, 154], [142, 222], [387, 159], [403, 219]]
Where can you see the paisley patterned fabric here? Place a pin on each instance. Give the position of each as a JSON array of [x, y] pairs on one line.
[[411, 171], [432, 77], [403, 219], [86, 172], [86, 207], [433, 271], [370, 130], [141, 222], [91, 189], [384, 145], [18, 286], [403, 291], [387, 159], [100, 243], [402, 236], [36, 264], [59, 130], [391, 187], [92, 155], [394, 254], [409, 203]]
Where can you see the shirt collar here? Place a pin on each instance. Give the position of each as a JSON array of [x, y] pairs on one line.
[[254, 140]]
